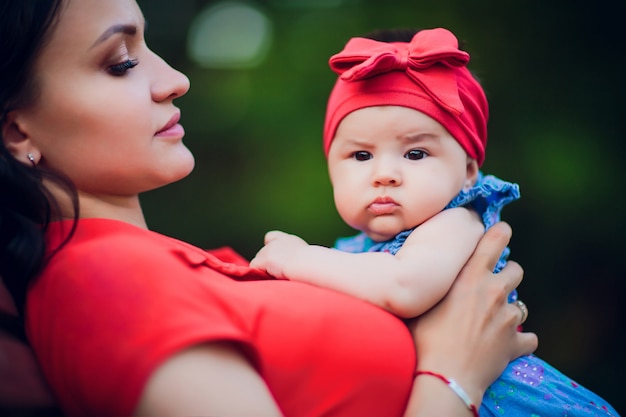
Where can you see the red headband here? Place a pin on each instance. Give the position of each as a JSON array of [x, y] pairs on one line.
[[428, 74]]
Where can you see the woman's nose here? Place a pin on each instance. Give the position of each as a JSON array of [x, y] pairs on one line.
[[169, 83]]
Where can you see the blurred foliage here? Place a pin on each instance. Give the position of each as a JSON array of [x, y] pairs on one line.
[[554, 75]]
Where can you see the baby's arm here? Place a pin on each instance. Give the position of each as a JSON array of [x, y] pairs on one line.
[[406, 284]]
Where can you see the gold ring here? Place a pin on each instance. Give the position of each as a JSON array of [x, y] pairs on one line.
[[523, 309]]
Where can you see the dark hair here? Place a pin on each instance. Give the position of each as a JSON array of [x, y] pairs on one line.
[[26, 205], [392, 35], [396, 35]]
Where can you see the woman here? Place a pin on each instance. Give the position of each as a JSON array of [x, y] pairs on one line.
[[126, 321]]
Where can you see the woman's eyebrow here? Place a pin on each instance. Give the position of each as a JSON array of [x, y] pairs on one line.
[[125, 29]]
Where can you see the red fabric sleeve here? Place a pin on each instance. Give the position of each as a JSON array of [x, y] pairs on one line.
[[151, 306]]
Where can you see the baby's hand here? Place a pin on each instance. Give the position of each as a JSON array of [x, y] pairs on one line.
[[280, 249]]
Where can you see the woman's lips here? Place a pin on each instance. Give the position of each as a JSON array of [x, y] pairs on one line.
[[172, 128], [175, 130]]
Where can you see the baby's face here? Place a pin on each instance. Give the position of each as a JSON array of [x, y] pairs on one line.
[[392, 168]]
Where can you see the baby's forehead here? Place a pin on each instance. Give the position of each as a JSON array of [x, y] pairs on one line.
[[387, 123], [410, 139]]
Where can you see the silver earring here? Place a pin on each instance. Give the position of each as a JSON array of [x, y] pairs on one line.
[[31, 158]]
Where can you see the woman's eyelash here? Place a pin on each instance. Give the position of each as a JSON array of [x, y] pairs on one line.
[[123, 67]]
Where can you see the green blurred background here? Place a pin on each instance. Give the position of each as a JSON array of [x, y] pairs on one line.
[[554, 74]]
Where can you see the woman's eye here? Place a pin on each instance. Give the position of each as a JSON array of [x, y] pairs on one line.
[[415, 154], [122, 68], [362, 155]]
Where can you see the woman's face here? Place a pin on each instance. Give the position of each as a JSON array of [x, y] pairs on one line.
[[104, 113]]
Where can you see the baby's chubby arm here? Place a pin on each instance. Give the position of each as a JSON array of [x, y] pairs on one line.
[[435, 252], [406, 284]]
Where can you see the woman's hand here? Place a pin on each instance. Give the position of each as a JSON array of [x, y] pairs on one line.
[[471, 335]]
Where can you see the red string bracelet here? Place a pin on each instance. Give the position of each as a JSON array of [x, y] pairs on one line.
[[460, 392]]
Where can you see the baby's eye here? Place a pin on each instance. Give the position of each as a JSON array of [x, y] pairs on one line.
[[362, 155], [415, 154], [123, 67]]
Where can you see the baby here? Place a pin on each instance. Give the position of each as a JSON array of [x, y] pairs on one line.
[[405, 136]]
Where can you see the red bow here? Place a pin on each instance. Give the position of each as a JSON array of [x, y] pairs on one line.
[[430, 60]]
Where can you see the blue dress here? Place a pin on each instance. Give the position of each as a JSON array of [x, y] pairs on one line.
[[528, 387]]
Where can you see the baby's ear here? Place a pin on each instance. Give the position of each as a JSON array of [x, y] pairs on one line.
[[17, 141], [471, 174]]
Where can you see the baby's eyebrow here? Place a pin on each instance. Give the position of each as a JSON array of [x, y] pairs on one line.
[[355, 142], [419, 138]]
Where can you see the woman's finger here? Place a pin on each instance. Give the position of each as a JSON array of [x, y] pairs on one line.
[[527, 344], [511, 275], [488, 251]]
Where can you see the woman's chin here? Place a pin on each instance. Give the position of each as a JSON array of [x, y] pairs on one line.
[[174, 171]]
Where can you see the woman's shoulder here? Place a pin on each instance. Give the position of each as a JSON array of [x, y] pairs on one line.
[[102, 234], [109, 247], [124, 299], [104, 244]]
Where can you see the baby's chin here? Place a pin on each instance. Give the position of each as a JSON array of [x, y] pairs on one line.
[[384, 228]]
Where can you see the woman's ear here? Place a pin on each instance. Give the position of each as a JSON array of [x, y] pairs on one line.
[[17, 142], [471, 173]]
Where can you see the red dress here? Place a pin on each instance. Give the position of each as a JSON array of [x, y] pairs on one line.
[[118, 300]]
